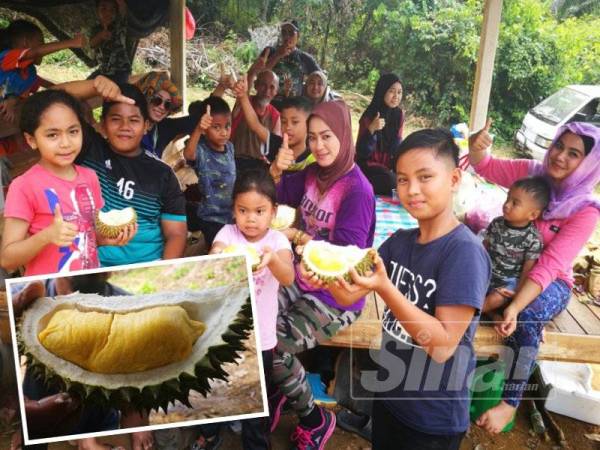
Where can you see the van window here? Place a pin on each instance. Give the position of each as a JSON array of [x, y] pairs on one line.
[[558, 106], [587, 113]]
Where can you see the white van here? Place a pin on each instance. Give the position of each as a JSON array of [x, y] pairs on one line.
[[574, 103]]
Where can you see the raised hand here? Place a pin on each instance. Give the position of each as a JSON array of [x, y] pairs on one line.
[[283, 51], [79, 40], [285, 156], [287, 84], [377, 124], [261, 63], [240, 89], [60, 233], [225, 80], [109, 90], [481, 141], [206, 120]]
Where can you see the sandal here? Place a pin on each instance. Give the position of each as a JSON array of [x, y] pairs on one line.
[[360, 424]]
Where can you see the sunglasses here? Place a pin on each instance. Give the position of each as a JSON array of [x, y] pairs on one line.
[[158, 100]]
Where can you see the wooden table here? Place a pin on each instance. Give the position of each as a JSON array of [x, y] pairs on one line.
[[573, 336]]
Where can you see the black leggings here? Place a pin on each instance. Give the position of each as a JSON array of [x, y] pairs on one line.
[[383, 180], [391, 434]]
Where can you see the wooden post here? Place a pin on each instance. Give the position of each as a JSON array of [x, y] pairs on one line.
[[485, 63], [177, 42]]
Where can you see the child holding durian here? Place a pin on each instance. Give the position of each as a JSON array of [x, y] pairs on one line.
[[254, 207], [50, 209], [129, 176], [433, 280]]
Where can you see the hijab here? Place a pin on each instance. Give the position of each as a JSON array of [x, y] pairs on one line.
[[337, 116], [393, 116], [577, 190], [326, 93]]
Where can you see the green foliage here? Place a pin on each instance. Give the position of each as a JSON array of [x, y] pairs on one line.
[[578, 42]]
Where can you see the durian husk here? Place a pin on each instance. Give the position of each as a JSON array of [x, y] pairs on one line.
[[225, 311], [112, 231], [362, 266]]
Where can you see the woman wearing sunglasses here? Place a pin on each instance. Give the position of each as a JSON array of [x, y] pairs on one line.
[[163, 100]]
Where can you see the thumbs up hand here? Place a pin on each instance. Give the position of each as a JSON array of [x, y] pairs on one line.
[[377, 124], [206, 120], [285, 156], [60, 233], [482, 140]]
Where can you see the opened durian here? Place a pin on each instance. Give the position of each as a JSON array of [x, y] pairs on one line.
[[249, 250], [143, 351], [110, 223], [284, 219], [330, 261]]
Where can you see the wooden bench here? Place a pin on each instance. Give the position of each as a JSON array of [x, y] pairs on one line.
[[573, 336]]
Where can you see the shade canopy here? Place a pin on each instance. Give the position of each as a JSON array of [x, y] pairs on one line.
[[65, 18]]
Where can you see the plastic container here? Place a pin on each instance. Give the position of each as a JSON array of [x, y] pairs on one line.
[[570, 392], [486, 389]]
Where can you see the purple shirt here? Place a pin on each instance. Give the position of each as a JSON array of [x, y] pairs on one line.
[[345, 215]]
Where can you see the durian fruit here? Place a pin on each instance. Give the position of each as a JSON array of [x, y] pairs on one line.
[[249, 250], [141, 351], [330, 261], [286, 215], [110, 223]]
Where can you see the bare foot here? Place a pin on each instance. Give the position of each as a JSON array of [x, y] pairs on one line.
[[93, 444], [142, 440], [495, 419]]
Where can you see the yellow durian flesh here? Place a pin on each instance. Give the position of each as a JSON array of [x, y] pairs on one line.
[[326, 260], [105, 342]]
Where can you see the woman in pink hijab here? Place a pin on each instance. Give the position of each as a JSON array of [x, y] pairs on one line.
[[337, 205], [572, 166]]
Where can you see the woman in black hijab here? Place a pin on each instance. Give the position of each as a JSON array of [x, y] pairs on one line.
[[380, 133]]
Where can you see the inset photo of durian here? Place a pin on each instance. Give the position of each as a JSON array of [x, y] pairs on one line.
[[136, 348]]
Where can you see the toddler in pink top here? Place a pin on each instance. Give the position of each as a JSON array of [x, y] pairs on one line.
[[572, 167], [50, 209], [254, 207]]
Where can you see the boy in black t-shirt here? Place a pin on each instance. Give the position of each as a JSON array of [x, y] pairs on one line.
[[131, 177], [433, 280]]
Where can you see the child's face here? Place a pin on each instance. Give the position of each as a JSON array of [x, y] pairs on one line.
[[253, 213], [323, 143], [520, 207], [315, 88], [58, 137], [31, 41], [393, 96], [106, 12], [293, 122], [124, 127], [426, 183], [220, 131]]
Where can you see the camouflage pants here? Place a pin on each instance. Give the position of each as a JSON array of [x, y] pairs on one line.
[[303, 322]]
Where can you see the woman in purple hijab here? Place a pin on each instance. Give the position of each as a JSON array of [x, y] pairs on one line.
[[572, 166]]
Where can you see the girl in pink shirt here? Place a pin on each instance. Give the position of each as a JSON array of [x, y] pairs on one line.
[[572, 166], [50, 209]]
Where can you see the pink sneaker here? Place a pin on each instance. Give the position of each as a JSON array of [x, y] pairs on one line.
[[276, 403], [315, 438]]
